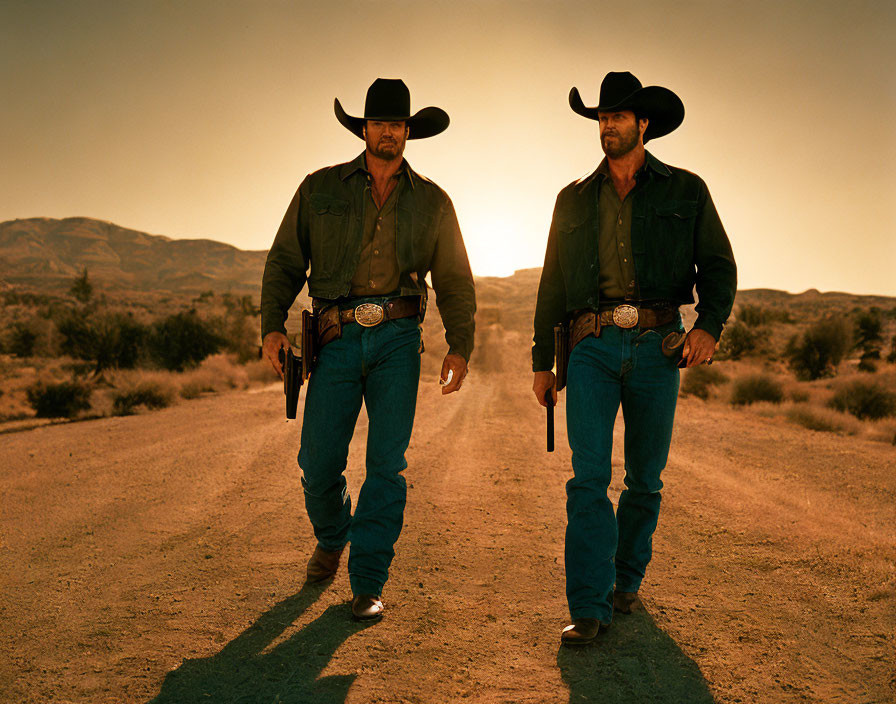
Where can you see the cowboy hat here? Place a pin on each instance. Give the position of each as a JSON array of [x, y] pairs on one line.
[[620, 90], [388, 99]]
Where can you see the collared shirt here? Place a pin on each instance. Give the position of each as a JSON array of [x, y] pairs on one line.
[[616, 273], [377, 272], [321, 239], [678, 244]]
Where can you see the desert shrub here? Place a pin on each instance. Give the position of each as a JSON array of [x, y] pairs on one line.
[[81, 287], [756, 387], [182, 340], [738, 340], [799, 395], [21, 339], [821, 419], [110, 340], [818, 351], [865, 400], [58, 400], [217, 373], [891, 358], [148, 393], [699, 380]]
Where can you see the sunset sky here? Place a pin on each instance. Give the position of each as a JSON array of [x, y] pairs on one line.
[[200, 118]]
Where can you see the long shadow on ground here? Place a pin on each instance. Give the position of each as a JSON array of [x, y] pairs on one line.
[[288, 673], [634, 661]]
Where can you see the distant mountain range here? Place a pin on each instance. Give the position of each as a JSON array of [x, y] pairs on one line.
[[49, 254]]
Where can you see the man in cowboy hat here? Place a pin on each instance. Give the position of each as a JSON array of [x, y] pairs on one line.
[[627, 245], [370, 231]]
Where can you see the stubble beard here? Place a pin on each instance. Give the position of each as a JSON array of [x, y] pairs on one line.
[[622, 142], [388, 150]]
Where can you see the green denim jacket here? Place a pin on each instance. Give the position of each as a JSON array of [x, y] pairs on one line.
[[677, 242], [322, 231]]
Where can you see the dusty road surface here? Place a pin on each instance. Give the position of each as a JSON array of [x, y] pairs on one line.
[[160, 558]]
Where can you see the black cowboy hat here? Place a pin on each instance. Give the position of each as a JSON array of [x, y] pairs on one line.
[[620, 90], [388, 99]]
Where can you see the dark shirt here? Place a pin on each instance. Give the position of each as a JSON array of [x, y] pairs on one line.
[[616, 270], [377, 272], [321, 238], [677, 243]]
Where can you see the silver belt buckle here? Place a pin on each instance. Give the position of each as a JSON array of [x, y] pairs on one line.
[[625, 316], [369, 314]]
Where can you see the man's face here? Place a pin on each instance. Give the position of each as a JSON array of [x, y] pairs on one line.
[[386, 140], [620, 132]]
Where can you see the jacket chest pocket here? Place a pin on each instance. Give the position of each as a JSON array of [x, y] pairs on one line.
[[671, 234], [330, 220], [416, 239], [577, 245]]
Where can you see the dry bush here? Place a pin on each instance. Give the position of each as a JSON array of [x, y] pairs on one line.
[[699, 381], [866, 400], [59, 400], [883, 431], [151, 390], [216, 373], [260, 371], [756, 387], [822, 419]]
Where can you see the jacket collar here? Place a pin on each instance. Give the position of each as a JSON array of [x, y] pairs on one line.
[[651, 165], [359, 163]]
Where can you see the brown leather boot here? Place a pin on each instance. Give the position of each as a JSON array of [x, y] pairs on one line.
[[322, 565], [582, 631], [367, 607], [626, 602]]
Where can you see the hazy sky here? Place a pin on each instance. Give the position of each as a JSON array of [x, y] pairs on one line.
[[200, 118]]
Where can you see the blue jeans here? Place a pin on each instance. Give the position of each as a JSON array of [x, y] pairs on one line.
[[381, 367], [624, 367]]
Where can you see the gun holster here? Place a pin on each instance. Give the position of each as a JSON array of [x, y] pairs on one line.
[[561, 354], [297, 367], [292, 380]]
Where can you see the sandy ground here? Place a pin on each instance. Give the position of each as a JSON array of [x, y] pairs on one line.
[[161, 557]]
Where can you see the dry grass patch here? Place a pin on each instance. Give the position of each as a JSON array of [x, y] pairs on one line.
[[152, 390], [822, 419]]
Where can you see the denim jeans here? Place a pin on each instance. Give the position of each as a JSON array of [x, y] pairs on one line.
[[381, 367], [627, 368]]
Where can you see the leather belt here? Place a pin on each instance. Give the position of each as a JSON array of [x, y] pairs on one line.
[[623, 316], [629, 316], [371, 314]]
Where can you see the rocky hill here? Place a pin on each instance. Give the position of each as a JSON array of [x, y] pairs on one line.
[[49, 253]]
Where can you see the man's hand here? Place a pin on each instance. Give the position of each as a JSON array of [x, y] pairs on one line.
[[270, 347], [698, 348], [543, 382], [457, 365]]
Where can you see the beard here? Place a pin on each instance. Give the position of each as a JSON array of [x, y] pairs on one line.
[[617, 144], [386, 149]]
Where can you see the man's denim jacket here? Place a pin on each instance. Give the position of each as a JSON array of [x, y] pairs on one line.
[[678, 242], [322, 231]]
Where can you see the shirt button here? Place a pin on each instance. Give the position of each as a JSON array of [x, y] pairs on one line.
[[625, 260], [372, 284], [377, 227], [622, 244], [619, 222], [376, 251]]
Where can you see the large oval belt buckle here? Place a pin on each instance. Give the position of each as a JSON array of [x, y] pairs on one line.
[[369, 314], [625, 316]]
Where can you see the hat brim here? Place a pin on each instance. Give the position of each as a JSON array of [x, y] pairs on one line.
[[427, 122], [664, 109]]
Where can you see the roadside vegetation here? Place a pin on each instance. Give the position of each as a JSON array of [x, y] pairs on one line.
[[833, 372], [85, 355]]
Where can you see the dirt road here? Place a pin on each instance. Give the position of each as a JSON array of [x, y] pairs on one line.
[[160, 558]]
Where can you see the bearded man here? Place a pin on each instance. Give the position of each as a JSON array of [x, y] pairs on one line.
[[365, 234], [627, 246]]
